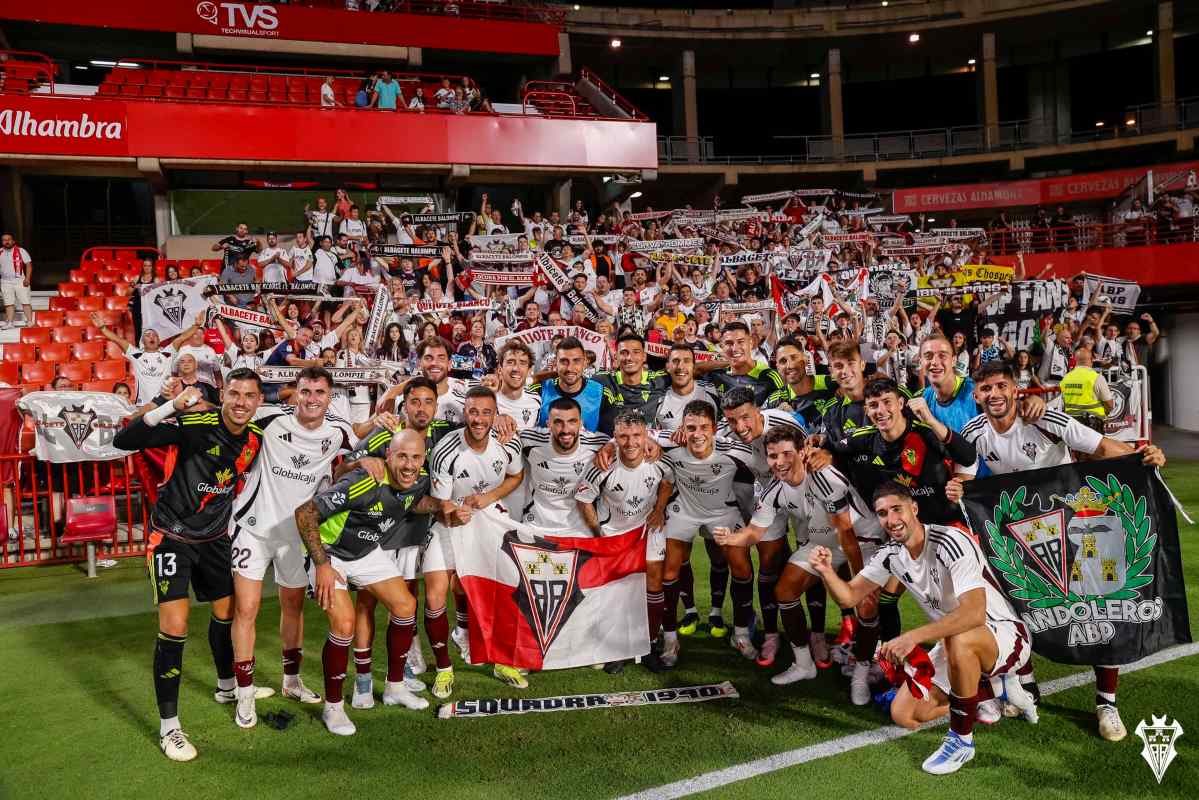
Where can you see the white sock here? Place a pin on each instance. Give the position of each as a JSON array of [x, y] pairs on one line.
[[1110, 697], [803, 656], [290, 681], [226, 684], [165, 726], [670, 636], [338, 706], [862, 667], [968, 738], [741, 632], [245, 692], [690, 610]]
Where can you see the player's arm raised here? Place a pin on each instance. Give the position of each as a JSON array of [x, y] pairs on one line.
[[848, 594]]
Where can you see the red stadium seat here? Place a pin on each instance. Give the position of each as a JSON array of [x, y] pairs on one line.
[[89, 351], [98, 386], [197, 92], [134, 76], [117, 76], [77, 371], [109, 318], [79, 276], [257, 96], [58, 303], [19, 353], [79, 319], [10, 374], [35, 335], [220, 80], [113, 370], [238, 94], [103, 289], [71, 289], [112, 350], [152, 91], [90, 520], [122, 290], [37, 372], [67, 335], [91, 303], [109, 89], [177, 92], [54, 351], [116, 303], [48, 319]]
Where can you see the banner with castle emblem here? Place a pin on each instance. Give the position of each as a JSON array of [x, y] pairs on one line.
[[544, 599], [169, 308], [1088, 555], [75, 426]]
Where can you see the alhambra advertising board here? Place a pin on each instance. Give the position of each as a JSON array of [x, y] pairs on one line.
[[88, 127]]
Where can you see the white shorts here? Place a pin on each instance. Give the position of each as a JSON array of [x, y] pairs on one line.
[[14, 292], [376, 566], [685, 529], [1014, 645], [800, 557], [408, 561], [438, 552], [777, 529], [253, 554], [655, 545]]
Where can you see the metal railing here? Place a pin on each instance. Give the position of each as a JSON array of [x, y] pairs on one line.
[[468, 9], [1141, 232], [940, 142], [607, 91]]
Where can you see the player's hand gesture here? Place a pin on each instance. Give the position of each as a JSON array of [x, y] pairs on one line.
[[95, 318], [817, 459], [505, 428], [656, 520], [1152, 456], [1032, 408], [387, 421], [459, 515], [920, 409], [187, 398], [821, 560], [326, 584], [375, 467], [605, 456], [954, 490], [897, 649], [723, 536]]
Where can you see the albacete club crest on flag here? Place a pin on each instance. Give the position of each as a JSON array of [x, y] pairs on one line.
[[78, 423], [1083, 554], [547, 592], [1158, 739], [172, 302]]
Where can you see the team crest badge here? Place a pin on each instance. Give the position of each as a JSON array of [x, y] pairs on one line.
[[909, 456], [547, 591], [172, 303], [78, 423], [1159, 739], [579, 467], [716, 468], [326, 443]]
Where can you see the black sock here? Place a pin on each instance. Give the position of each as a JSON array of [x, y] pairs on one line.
[[168, 669], [220, 639], [686, 583], [769, 606], [718, 580], [743, 601], [888, 614], [815, 597]]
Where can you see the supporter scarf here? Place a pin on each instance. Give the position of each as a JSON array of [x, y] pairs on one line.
[[863, 212], [955, 234], [594, 342], [440, 219], [917, 672], [245, 316], [380, 313], [558, 278], [345, 376], [646, 215], [637, 246], [913, 250], [297, 288], [661, 350], [491, 257], [603, 238], [18, 261], [812, 226], [839, 238], [678, 258], [720, 236], [429, 307], [406, 251], [403, 200], [890, 219], [498, 241], [768, 197], [746, 257], [495, 277]]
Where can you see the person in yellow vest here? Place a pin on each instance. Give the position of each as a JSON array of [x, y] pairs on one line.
[[1085, 393]]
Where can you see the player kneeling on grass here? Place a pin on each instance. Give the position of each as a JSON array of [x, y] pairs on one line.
[[824, 508], [341, 528], [977, 632]]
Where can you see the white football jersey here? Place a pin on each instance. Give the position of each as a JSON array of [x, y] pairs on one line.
[[1045, 443], [458, 471], [450, 405], [551, 478], [524, 409], [670, 409], [811, 506], [708, 488], [294, 464], [151, 369], [950, 565], [626, 495]]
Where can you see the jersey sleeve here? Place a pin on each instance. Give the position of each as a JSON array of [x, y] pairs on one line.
[[767, 507], [441, 474], [345, 495], [374, 444], [960, 557], [137, 435], [516, 463], [590, 485], [830, 487], [878, 571], [1076, 435]]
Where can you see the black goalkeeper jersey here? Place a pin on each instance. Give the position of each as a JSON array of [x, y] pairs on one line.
[[205, 468], [917, 459], [808, 407], [358, 514], [619, 396], [762, 380], [841, 418], [378, 440]]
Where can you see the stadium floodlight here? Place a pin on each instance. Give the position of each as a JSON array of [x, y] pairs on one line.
[[1099, 124], [972, 62], [98, 62], [1130, 122], [663, 77], [884, 3], [615, 44], [577, 6], [913, 38], [814, 75], [634, 195], [1149, 32]]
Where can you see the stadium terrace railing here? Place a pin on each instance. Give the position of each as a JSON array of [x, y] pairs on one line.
[[1145, 231], [940, 142], [22, 70], [36, 493], [607, 91], [468, 9]]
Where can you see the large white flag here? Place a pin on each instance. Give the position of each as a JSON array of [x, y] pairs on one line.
[[75, 426], [544, 599], [169, 308]]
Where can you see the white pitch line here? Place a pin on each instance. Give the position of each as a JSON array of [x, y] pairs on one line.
[[834, 747]]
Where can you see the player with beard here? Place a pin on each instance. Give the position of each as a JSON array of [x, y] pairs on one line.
[[744, 369], [631, 386], [433, 361], [743, 420], [685, 389], [341, 529], [827, 512], [707, 483], [619, 499], [806, 394], [570, 359], [469, 466], [1007, 443], [555, 458], [518, 407], [188, 547], [980, 639], [299, 445], [420, 406]]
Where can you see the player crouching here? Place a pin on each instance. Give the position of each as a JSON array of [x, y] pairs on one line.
[[977, 632], [341, 528]]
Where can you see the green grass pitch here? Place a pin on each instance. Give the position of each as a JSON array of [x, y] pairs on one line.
[[77, 719]]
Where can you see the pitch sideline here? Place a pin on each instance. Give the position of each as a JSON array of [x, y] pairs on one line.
[[833, 747]]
